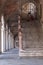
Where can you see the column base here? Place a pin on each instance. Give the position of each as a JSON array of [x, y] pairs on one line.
[[20, 50]]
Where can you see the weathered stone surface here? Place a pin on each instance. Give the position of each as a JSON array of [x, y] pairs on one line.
[[32, 35], [11, 58], [32, 38]]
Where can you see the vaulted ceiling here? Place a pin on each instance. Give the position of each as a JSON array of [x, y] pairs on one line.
[[11, 9]]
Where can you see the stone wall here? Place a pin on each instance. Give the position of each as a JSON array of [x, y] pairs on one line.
[[32, 39], [32, 35]]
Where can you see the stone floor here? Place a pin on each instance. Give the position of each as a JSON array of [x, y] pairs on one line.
[[11, 58]]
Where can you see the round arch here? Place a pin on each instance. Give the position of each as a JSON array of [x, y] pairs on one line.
[[38, 7]]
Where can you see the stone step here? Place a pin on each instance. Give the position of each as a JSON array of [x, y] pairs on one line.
[[31, 52]]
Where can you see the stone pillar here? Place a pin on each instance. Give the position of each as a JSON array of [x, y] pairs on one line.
[[20, 34], [7, 38], [41, 2], [12, 40], [2, 34]]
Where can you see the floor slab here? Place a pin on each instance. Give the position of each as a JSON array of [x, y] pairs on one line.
[[12, 58]]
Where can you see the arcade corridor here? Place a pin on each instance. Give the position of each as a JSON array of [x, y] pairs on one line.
[[21, 32]]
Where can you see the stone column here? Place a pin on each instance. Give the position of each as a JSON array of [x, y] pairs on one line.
[[12, 40], [9, 38], [41, 2], [20, 34], [2, 34], [6, 37]]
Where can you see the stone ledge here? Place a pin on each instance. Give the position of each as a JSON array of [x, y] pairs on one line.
[[31, 52]]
